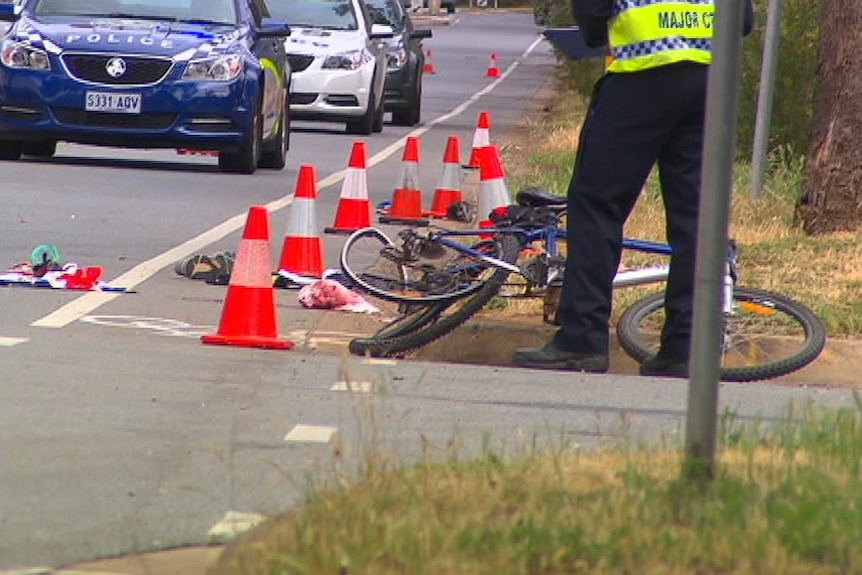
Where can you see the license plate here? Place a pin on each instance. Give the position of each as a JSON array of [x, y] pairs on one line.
[[113, 102]]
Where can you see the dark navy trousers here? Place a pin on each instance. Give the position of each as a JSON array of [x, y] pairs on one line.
[[635, 121]]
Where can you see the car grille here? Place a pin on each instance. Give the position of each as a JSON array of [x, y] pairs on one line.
[[77, 117], [299, 62], [302, 98], [139, 70], [348, 100]]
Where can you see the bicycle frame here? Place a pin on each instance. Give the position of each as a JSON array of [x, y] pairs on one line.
[[549, 236]]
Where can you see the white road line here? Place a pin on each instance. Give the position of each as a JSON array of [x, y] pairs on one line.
[[311, 434], [354, 386], [88, 303], [11, 341], [234, 523]]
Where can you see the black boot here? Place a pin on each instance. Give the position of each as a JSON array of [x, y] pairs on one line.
[[552, 357]]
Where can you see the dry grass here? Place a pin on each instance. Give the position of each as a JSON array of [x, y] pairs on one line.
[[823, 272]]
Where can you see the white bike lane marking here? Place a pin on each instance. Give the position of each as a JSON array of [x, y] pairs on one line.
[[86, 304], [12, 341]]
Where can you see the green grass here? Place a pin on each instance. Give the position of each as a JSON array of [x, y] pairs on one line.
[[787, 499]]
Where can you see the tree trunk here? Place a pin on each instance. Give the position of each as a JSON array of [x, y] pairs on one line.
[[832, 192]]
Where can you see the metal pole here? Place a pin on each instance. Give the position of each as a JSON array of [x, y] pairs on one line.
[[722, 105], [765, 97]]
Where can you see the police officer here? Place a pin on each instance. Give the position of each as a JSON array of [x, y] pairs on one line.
[[647, 110]]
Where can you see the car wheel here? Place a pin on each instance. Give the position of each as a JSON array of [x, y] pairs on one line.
[[365, 124], [378, 119], [10, 150], [412, 114], [40, 149], [275, 153], [245, 161]]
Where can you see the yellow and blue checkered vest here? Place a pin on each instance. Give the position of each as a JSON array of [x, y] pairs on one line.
[[645, 34]]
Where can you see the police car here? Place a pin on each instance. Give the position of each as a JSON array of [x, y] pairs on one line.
[[338, 62], [188, 74]]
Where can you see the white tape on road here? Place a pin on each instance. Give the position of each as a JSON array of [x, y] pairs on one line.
[[88, 303]]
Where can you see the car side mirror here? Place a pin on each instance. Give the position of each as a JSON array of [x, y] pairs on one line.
[[9, 12], [273, 28], [381, 32], [421, 33]]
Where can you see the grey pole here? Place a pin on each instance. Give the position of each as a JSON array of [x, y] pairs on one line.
[[722, 106], [765, 97]]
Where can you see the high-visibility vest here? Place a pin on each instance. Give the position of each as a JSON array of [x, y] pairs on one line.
[[645, 34]]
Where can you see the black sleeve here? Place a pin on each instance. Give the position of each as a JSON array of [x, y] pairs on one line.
[[748, 23], [593, 16]]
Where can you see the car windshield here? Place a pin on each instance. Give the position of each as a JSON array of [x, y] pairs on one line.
[[385, 12], [326, 14], [203, 11]]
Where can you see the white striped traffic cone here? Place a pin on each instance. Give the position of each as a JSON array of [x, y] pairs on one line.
[[448, 189], [481, 138], [302, 249], [249, 317], [493, 192], [354, 209]]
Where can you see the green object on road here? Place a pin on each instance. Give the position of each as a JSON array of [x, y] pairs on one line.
[[44, 254]]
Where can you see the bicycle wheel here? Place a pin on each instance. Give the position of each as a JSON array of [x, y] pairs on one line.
[[412, 318], [767, 336], [374, 263], [449, 315]]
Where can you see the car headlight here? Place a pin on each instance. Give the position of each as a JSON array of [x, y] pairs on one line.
[[345, 60], [216, 69], [396, 57], [22, 55]]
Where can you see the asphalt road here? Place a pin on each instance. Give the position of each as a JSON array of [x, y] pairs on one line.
[[120, 431]]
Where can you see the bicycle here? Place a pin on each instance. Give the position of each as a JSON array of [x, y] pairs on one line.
[[439, 283]]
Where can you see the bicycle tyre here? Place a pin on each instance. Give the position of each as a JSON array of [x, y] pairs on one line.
[[510, 246], [401, 326], [359, 279], [632, 341]]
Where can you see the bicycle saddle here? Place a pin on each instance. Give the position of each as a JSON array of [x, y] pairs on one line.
[[535, 197]]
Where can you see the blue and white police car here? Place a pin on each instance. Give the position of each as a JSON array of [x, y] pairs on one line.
[[188, 74]]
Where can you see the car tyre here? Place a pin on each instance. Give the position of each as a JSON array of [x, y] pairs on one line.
[[10, 150], [274, 155], [364, 125], [412, 113], [40, 149], [246, 160]]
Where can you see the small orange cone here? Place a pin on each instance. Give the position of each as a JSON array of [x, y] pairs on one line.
[[406, 204], [493, 70], [429, 67], [481, 138], [448, 189], [354, 209], [493, 192], [249, 317], [302, 249]]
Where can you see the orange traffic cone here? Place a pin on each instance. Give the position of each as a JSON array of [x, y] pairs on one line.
[[429, 67], [493, 192], [493, 71], [354, 209], [481, 138], [302, 249], [406, 204], [448, 189], [249, 317]]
